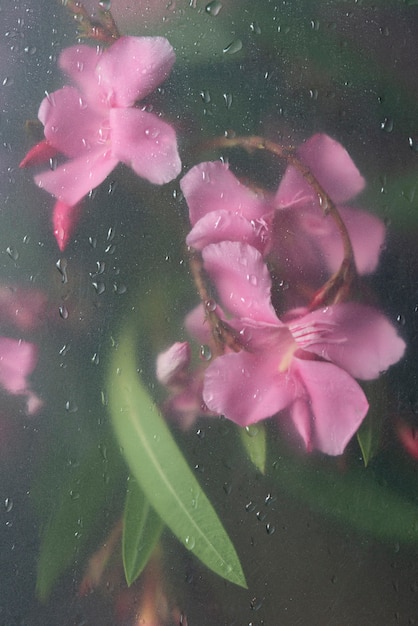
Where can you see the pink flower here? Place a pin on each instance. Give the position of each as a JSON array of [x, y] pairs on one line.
[[223, 209], [17, 362], [98, 124], [306, 365], [304, 240]]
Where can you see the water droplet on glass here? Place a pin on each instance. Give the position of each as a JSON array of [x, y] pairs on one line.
[[210, 305], [119, 289], [7, 81], [233, 47], [270, 528], [61, 266], [13, 253], [8, 504], [228, 100], [387, 125], [99, 287], [214, 8], [252, 279], [413, 143], [71, 406], [252, 431], [200, 433], [256, 604], [205, 353], [250, 507], [255, 28], [63, 311], [95, 359], [190, 542], [105, 4], [205, 95], [401, 319]]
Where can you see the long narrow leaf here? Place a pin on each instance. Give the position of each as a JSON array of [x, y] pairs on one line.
[[162, 472], [141, 530]]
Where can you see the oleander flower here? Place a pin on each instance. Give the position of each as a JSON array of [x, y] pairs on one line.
[[17, 362], [305, 364], [99, 123]]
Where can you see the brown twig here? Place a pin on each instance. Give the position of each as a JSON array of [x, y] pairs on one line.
[[222, 333]]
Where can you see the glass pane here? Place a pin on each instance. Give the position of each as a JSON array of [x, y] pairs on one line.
[[208, 312]]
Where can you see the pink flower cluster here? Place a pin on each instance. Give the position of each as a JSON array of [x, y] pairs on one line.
[[99, 123], [304, 363]]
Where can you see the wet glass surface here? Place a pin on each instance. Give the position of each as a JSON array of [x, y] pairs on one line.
[[322, 538]]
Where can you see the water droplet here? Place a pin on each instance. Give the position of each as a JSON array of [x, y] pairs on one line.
[[13, 253], [233, 47], [256, 604], [255, 28], [270, 528], [105, 4], [252, 430], [8, 504], [401, 319], [227, 487], [190, 542], [71, 406], [210, 305], [413, 143], [119, 289], [200, 433], [61, 266], [93, 242], [261, 516], [7, 81], [250, 507], [63, 311], [95, 359], [228, 100], [214, 8], [205, 95], [205, 353], [252, 279], [387, 125], [99, 287]]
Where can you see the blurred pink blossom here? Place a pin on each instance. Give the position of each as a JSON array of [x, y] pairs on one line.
[[305, 241], [17, 362], [98, 124], [306, 365]]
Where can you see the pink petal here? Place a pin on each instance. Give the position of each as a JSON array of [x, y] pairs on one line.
[[39, 154], [73, 180], [367, 234], [210, 186], [331, 165], [355, 337], [133, 67], [17, 362], [64, 221], [70, 125], [79, 63], [336, 403], [145, 143], [247, 387], [241, 279], [172, 362], [196, 325], [222, 225]]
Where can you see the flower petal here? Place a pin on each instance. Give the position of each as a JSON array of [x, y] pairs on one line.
[[133, 67], [335, 401], [331, 165], [64, 221], [241, 279], [73, 180], [145, 143], [79, 63], [210, 186], [222, 225], [355, 337], [17, 362], [247, 387], [70, 124]]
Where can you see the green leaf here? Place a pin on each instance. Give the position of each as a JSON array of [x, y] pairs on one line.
[[76, 514], [355, 497], [254, 441], [141, 531], [161, 470], [370, 432]]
